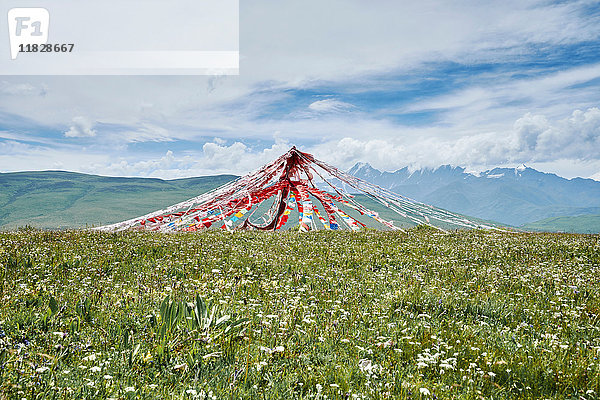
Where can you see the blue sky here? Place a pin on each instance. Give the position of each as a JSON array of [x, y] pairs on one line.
[[418, 84]]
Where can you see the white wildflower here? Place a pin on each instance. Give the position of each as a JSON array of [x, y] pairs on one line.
[[368, 367], [259, 365], [179, 367], [216, 354]]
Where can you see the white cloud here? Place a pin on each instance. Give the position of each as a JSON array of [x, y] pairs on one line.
[[500, 98], [533, 139], [338, 42], [384, 35], [330, 105], [145, 133], [80, 127], [575, 137], [214, 159], [21, 89], [147, 167], [19, 156], [568, 147], [555, 144], [237, 158], [217, 155]]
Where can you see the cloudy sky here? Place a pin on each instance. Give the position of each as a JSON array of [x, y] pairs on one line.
[[394, 83]]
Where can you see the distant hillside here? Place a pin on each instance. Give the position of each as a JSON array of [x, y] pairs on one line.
[[57, 199], [513, 196], [570, 224]]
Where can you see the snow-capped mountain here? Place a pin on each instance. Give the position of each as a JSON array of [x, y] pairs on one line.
[[513, 196]]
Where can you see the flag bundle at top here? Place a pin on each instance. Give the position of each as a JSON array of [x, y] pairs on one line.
[[291, 183]]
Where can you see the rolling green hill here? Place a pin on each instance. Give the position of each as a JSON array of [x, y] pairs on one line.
[[58, 199], [571, 224]]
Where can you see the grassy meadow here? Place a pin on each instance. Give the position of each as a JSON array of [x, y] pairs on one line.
[[322, 315]]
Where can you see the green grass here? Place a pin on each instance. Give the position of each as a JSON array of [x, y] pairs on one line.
[[571, 224], [334, 315]]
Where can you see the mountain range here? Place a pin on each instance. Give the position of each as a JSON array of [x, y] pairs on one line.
[[519, 196]]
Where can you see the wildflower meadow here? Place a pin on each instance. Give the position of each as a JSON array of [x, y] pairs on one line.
[[321, 315]]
